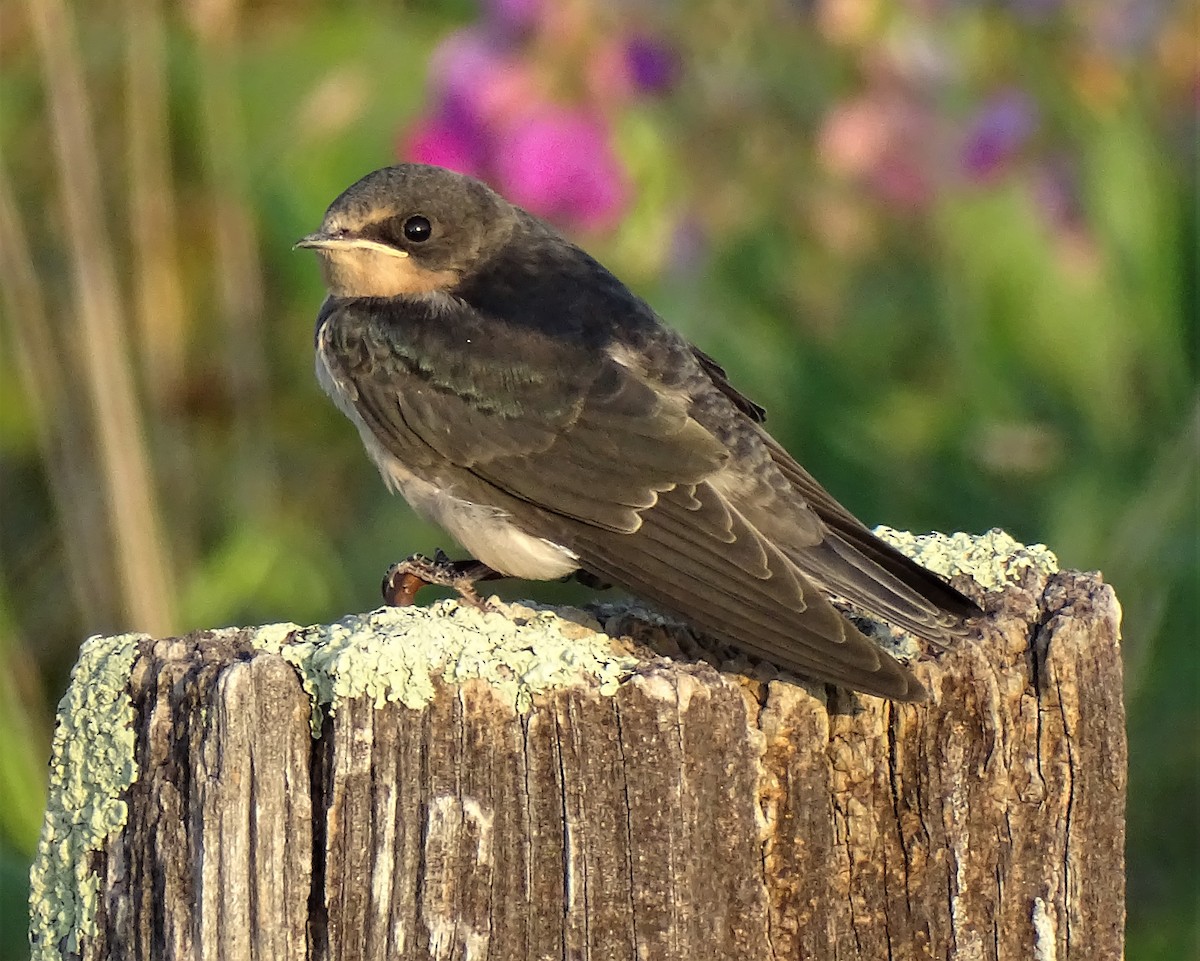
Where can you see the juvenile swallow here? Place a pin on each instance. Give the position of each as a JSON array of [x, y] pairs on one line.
[[520, 396]]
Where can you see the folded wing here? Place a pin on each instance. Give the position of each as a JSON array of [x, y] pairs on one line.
[[658, 479]]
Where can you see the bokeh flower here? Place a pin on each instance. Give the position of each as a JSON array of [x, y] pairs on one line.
[[503, 108], [653, 66], [998, 133], [558, 163], [452, 137], [885, 141], [483, 75]]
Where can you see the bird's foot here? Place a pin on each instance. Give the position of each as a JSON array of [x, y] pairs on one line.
[[588, 579], [404, 579]]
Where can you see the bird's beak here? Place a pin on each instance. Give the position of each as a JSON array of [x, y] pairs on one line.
[[312, 240], [323, 241]]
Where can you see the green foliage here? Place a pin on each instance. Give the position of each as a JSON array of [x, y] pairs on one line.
[[14, 895], [22, 764]]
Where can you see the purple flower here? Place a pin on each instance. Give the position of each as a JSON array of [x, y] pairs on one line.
[[558, 163], [478, 87], [491, 118], [463, 60], [473, 69], [452, 137], [998, 133], [653, 66]]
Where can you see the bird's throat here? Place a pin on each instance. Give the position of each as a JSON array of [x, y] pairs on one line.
[[362, 272]]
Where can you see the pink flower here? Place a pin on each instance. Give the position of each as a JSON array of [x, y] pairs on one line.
[[609, 80], [558, 164], [480, 74], [855, 136], [491, 118], [634, 65], [885, 141], [450, 138]]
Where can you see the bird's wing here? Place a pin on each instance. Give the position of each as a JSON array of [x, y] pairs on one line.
[[671, 495], [850, 560], [540, 420], [916, 600]]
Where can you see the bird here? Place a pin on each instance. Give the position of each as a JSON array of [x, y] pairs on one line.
[[519, 395]]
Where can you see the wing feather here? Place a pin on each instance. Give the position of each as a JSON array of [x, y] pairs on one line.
[[855, 564], [660, 480]]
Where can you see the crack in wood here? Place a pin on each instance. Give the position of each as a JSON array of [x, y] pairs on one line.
[[690, 814]]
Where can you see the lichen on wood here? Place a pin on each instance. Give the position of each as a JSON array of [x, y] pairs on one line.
[[525, 784]]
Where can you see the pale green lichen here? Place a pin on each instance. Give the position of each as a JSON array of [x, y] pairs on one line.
[[993, 560], [397, 654], [388, 655], [91, 767]]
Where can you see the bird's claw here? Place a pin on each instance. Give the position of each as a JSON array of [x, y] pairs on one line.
[[588, 579], [405, 578]]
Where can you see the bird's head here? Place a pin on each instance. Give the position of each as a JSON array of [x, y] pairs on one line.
[[409, 231]]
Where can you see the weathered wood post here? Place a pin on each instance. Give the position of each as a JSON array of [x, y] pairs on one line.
[[518, 785]]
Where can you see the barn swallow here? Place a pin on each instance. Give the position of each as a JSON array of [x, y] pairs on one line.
[[520, 396]]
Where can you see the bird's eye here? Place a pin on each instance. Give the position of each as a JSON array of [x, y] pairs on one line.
[[417, 229]]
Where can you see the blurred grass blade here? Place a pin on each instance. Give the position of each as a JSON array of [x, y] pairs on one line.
[[142, 563], [24, 731], [238, 264], [62, 439], [158, 295]]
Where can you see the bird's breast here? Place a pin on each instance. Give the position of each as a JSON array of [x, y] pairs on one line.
[[488, 532]]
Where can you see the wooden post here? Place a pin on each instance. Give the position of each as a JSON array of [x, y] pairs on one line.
[[518, 786]]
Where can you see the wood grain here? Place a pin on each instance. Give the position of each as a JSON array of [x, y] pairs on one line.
[[687, 813]]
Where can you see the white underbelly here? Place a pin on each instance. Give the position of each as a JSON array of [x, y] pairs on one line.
[[488, 533]]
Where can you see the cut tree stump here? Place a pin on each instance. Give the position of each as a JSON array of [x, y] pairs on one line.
[[518, 785]]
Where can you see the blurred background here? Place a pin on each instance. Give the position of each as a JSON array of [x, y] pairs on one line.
[[951, 245]]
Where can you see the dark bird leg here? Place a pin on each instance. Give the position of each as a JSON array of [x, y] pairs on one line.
[[404, 578], [588, 579]]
